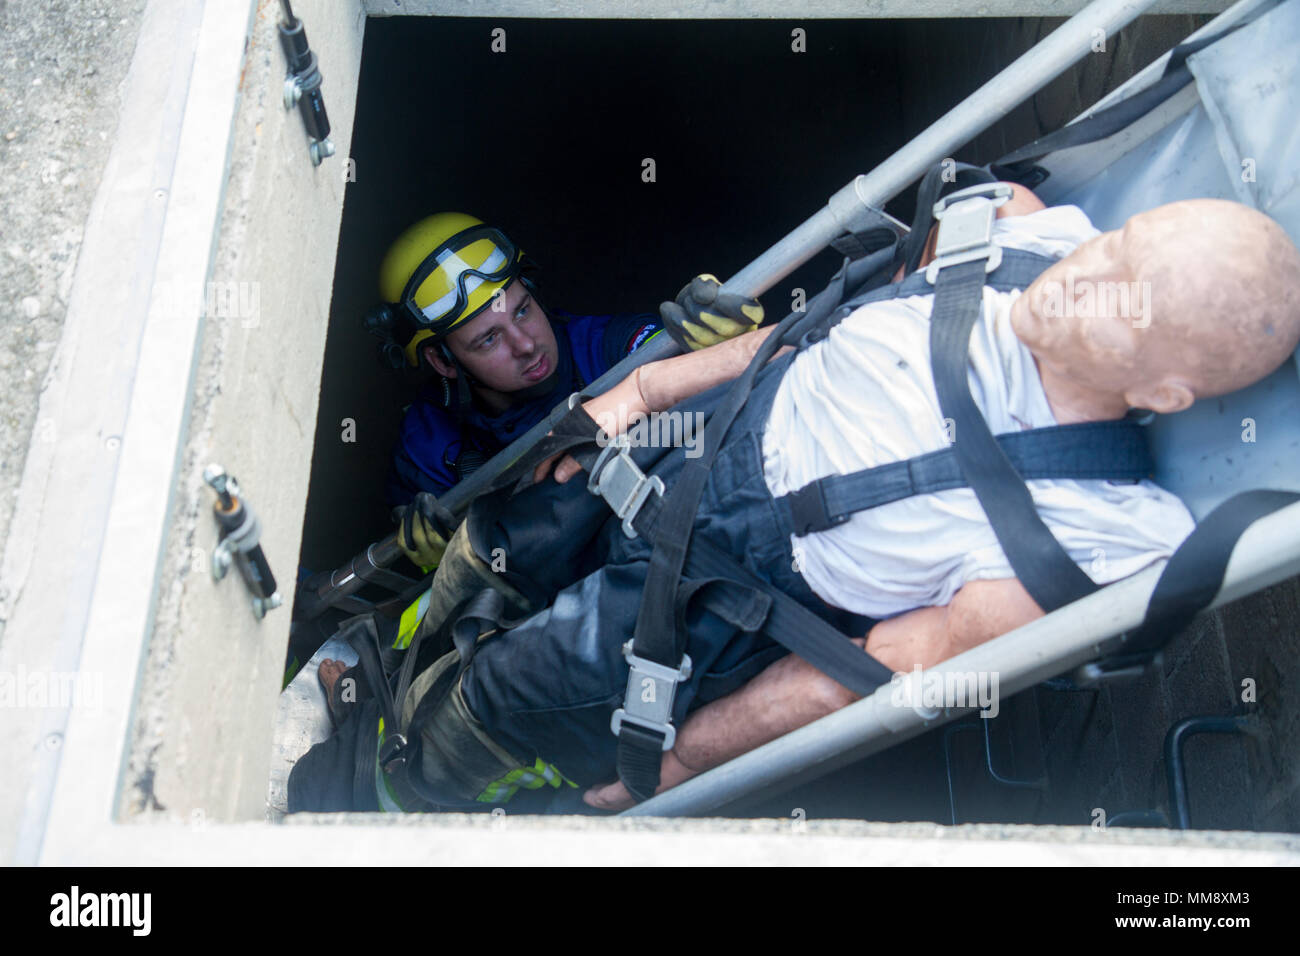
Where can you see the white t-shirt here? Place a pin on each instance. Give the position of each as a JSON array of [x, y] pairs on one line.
[[865, 396]]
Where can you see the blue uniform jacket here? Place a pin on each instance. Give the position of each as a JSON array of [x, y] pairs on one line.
[[425, 456]]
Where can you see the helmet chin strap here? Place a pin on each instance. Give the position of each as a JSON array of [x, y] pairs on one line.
[[463, 397]]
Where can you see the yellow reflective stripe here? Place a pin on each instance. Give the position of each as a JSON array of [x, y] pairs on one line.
[[411, 618], [540, 774], [388, 802], [496, 793]]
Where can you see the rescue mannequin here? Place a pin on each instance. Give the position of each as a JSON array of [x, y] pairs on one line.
[[1225, 294]]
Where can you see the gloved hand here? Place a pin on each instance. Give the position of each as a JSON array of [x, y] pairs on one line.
[[420, 534], [703, 315]]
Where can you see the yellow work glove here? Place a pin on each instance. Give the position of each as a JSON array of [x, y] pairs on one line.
[[704, 315], [419, 535]]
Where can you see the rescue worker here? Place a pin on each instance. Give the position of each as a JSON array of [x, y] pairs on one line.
[[926, 574], [461, 300]]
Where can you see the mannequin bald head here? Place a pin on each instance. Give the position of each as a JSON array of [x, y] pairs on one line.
[[1186, 301]]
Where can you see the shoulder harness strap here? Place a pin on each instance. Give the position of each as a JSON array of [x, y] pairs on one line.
[[965, 253]]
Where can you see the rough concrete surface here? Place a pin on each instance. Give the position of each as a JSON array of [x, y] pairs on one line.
[[255, 389], [61, 69]]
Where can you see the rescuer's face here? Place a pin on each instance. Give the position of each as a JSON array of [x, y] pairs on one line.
[[510, 345]]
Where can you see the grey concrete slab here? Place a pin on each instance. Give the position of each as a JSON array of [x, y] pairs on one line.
[[61, 72], [201, 739], [54, 549]]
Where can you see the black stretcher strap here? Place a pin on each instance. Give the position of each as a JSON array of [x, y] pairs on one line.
[[640, 751], [787, 622], [574, 433], [868, 273], [1017, 166], [1044, 568], [941, 179], [1111, 450], [1018, 271], [481, 614], [858, 245], [656, 635], [1194, 574]]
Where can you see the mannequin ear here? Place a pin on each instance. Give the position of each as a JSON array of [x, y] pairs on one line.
[[439, 364], [1164, 397]]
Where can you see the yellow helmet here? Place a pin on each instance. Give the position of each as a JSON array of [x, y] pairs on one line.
[[440, 273]]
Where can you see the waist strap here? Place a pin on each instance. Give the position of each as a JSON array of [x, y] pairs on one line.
[[1114, 450]]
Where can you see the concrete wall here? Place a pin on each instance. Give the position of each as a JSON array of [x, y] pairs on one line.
[[213, 670]]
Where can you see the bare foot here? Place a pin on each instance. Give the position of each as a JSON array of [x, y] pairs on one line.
[[610, 796], [329, 673], [614, 796]]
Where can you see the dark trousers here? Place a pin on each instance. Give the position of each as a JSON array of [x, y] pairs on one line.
[[548, 687]]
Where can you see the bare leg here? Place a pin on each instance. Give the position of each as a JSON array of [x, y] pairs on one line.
[[792, 693]]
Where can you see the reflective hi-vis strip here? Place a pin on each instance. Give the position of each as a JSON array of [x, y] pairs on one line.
[[383, 789], [411, 619], [540, 774], [638, 342]]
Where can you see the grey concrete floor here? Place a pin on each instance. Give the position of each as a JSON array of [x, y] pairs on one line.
[[62, 63]]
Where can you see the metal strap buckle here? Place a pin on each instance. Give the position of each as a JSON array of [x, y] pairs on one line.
[[625, 487], [392, 752], [1119, 668], [966, 228], [648, 702]]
